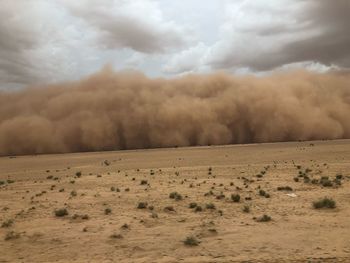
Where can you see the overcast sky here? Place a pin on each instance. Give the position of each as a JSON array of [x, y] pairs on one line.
[[55, 40]]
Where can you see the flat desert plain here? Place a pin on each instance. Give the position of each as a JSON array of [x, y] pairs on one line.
[[197, 204]]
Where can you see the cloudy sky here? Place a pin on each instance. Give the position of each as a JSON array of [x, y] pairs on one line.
[[55, 40]]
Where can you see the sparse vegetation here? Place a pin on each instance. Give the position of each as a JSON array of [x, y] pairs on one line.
[[284, 188], [7, 223], [191, 241], [169, 209], [143, 182], [192, 205], [61, 212], [210, 206], [235, 198], [176, 196], [264, 193], [264, 218], [246, 209], [198, 208], [108, 211], [12, 235], [142, 205], [324, 203]]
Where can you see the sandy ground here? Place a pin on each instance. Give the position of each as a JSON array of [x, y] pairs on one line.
[[204, 175]]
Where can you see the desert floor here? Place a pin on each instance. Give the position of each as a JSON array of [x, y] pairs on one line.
[[104, 223]]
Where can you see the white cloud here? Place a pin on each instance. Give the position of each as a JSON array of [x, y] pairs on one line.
[[189, 60]]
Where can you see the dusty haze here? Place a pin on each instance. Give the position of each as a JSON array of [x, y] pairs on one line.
[[127, 110]]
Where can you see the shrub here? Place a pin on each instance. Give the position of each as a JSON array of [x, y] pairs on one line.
[[12, 235], [324, 203], [262, 192], [143, 182], [116, 236], [339, 176], [191, 241], [142, 205], [169, 209], [325, 182], [61, 212], [246, 209], [193, 205], [7, 223], [235, 198], [78, 174], [108, 211], [210, 206], [284, 188], [198, 209], [73, 193], [264, 218], [175, 195]]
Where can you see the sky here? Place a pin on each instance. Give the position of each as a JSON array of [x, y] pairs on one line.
[[49, 41]]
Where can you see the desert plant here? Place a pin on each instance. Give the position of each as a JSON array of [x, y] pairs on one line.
[[193, 205], [116, 236], [210, 206], [284, 188], [7, 223], [235, 198], [175, 195], [246, 209], [143, 182], [108, 211], [169, 209], [142, 205], [12, 235], [264, 218], [61, 212], [325, 182], [324, 203], [191, 241], [198, 208]]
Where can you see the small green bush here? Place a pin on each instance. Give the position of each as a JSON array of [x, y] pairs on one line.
[[324, 203], [246, 209], [192, 205], [210, 206], [142, 205], [7, 223], [108, 211], [264, 218], [61, 212], [176, 196], [235, 198], [191, 241]]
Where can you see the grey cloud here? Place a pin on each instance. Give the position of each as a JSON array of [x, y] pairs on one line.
[[318, 32], [138, 25]]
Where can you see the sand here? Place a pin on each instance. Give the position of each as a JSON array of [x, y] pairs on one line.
[[209, 176]]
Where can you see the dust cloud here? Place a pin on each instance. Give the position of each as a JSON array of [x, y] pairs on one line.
[[127, 110]]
